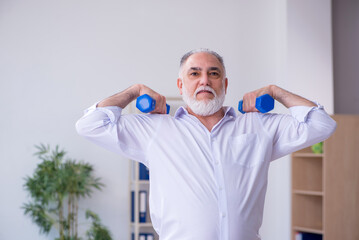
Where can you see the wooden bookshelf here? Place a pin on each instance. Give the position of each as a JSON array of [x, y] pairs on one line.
[[137, 185], [325, 187], [311, 230], [307, 192]]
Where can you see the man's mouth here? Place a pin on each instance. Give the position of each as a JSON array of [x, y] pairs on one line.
[[204, 91]]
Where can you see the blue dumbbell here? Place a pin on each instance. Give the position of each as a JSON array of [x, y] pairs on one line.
[[264, 103], [146, 104]]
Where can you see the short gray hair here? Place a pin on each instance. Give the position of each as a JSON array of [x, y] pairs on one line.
[[200, 50]]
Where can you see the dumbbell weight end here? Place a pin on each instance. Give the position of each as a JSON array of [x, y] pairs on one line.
[[264, 103], [146, 104]]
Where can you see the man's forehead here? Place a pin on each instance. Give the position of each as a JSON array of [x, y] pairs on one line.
[[203, 60]]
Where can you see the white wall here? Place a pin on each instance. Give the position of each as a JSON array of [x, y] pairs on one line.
[[305, 68], [59, 57]]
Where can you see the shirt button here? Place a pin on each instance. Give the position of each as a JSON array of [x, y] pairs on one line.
[[220, 188], [216, 162], [223, 215]]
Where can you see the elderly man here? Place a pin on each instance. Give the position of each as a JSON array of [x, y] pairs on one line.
[[208, 166]]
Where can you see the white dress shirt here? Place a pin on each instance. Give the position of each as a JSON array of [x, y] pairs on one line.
[[206, 185]]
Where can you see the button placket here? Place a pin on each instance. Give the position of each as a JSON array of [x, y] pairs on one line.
[[222, 199]]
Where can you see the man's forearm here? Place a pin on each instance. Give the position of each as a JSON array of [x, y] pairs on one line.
[[125, 97], [122, 99], [285, 97], [289, 99]]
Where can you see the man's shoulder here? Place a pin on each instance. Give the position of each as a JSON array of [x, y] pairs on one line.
[[149, 117], [257, 116]]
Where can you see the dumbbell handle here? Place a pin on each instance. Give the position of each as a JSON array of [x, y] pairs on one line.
[[264, 103], [147, 104]]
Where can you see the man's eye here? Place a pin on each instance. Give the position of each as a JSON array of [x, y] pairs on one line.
[[214, 73], [194, 74]]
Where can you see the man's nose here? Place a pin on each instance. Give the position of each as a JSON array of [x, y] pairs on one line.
[[204, 81]]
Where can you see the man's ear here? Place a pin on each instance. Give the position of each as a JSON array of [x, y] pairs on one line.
[[225, 85], [179, 85]]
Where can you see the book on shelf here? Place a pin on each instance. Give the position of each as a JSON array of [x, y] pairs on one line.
[[308, 236], [132, 206], [143, 236], [144, 173], [143, 206]]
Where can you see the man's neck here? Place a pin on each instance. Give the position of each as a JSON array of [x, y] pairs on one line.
[[209, 121]]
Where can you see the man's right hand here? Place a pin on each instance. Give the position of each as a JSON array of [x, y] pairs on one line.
[[122, 99]]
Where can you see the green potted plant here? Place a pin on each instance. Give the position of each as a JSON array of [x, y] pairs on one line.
[[55, 189], [317, 148]]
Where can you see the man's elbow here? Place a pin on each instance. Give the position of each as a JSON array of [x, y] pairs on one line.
[[80, 128], [329, 129]]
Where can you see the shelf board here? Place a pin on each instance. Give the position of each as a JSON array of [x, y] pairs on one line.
[[140, 181], [147, 224], [299, 154], [307, 192], [308, 230]]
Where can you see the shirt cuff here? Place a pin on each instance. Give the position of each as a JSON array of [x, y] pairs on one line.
[[113, 112], [301, 112]]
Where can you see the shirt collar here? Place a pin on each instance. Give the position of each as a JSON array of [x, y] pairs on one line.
[[229, 112]]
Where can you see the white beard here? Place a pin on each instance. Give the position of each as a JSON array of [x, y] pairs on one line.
[[203, 107]]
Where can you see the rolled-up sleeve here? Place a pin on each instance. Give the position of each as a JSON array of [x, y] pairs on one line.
[[304, 127], [128, 135]]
